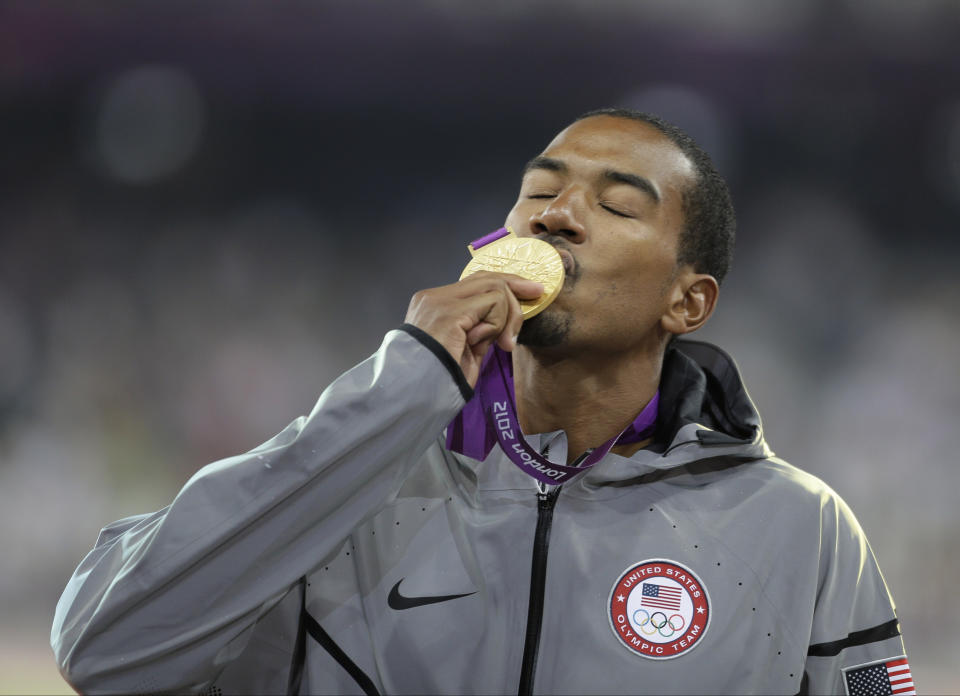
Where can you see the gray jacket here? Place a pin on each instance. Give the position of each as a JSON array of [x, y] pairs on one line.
[[353, 552]]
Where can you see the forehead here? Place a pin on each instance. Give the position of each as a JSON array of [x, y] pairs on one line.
[[601, 143]]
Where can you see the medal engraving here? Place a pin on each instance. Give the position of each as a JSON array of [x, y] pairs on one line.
[[529, 258]]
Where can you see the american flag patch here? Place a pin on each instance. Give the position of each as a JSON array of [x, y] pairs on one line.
[[890, 676], [660, 597]]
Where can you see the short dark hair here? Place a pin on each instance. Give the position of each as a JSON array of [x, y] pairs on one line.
[[710, 223]]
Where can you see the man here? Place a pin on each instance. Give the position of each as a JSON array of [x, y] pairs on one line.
[[386, 543]]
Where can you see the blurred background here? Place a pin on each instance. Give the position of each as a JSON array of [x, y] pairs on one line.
[[210, 210]]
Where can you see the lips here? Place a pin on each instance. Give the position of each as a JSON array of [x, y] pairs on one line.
[[569, 265]]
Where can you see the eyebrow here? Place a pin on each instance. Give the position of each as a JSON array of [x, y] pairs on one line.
[[634, 180], [638, 182], [548, 163]]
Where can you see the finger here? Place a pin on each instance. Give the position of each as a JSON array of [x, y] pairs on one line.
[[484, 281], [482, 332], [507, 340], [504, 319], [524, 288], [501, 322], [515, 286], [489, 314], [479, 351], [501, 319]]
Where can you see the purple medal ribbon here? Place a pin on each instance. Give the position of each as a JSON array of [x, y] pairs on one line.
[[491, 417], [487, 238]]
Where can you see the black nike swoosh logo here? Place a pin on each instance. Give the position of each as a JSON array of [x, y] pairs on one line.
[[397, 601]]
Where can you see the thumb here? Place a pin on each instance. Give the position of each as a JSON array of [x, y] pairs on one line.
[[525, 289]]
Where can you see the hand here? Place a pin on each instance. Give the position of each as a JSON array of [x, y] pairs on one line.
[[468, 316]]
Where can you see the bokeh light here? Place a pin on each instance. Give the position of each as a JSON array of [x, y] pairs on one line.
[[149, 123]]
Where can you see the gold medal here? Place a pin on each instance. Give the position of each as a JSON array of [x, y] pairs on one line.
[[527, 257]]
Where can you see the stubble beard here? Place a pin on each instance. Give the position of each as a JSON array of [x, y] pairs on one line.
[[551, 327], [546, 330]]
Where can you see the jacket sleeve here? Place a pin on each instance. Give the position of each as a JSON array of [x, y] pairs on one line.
[[164, 601], [855, 633]]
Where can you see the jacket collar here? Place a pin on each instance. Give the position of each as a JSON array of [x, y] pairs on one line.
[[705, 413], [701, 384]]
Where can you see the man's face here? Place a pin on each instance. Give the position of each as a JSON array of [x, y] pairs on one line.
[[607, 193]]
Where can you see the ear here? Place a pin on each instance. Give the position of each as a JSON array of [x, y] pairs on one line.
[[693, 297]]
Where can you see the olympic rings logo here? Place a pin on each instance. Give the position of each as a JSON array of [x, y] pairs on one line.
[[658, 622]]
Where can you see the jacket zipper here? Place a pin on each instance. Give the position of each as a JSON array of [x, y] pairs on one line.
[[538, 575]]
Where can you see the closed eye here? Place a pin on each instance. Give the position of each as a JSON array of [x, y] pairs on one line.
[[618, 213], [542, 195]]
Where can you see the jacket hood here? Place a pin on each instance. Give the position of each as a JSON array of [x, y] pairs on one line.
[[706, 420], [701, 384]]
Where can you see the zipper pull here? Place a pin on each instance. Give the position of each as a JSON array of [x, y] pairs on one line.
[[542, 487], [546, 499]]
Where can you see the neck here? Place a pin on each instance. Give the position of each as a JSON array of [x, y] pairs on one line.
[[591, 398]]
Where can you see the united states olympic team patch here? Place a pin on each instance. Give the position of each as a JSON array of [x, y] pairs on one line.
[[659, 609]]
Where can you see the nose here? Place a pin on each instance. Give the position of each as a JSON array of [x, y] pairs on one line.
[[561, 217]]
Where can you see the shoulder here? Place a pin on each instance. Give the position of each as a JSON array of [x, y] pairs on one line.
[[793, 482], [771, 492], [802, 496]]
